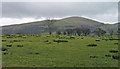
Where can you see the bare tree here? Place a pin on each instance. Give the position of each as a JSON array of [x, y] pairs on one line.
[[69, 31], [49, 25], [78, 31], [99, 32], [86, 31]]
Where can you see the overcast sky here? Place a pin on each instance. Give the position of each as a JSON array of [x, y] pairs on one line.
[[23, 12]]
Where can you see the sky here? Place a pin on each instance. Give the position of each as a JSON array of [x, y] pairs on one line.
[[23, 12], [60, 0]]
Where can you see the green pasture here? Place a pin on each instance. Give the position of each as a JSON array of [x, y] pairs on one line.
[[59, 51]]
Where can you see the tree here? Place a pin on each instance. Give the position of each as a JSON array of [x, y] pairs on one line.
[[103, 32], [111, 33], [86, 31], [49, 24], [69, 31], [78, 31], [99, 32], [58, 32]]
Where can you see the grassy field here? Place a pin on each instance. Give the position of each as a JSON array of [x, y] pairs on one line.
[[59, 51]]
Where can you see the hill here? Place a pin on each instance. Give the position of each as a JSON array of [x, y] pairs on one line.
[[66, 23]]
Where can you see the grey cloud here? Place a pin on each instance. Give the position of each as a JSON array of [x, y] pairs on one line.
[[57, 9]]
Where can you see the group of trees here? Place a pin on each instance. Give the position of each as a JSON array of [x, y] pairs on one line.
[[78, 31], [75, 31], [81, 31], [99, 32]]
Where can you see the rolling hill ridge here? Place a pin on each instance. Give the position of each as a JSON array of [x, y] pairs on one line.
[[62, 24]]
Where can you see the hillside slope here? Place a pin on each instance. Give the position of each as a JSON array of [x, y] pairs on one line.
[[71, 22]]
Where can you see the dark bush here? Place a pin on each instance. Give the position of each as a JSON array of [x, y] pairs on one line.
[[115, 43], [19, 45], [115, 57], [113, 51], [34, 53], [93, 56], [37, 53], [72, 37], [60, 41], [9, 45], [61, 37], [46, 41], [92, 45], [97, 40], [9, 37], [114, 39], [5, 53], [4, 49], [3, 40], [107, 55], [105, 39], [16, 40], [82, 38]]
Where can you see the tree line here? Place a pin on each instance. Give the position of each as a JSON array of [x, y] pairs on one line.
[[81, 31], [75, 31]]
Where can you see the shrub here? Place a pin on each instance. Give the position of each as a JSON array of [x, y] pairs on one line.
[[9, 37], [72, 37], [37, 53], [16, 40], [114, 39], [115, 43], [5, 53], [60, 41], [107, 55], [92, 45], [82, 38], [97, 40], [9, 45], [105, 39], [3, 40], [93, 56], [115, 57], [4, 49], [19, 45], [113, 51], [46, 41]]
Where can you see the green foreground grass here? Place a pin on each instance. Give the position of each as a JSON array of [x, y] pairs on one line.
[[42, 51]]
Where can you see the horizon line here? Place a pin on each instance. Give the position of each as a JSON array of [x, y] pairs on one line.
[[60, 18]]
